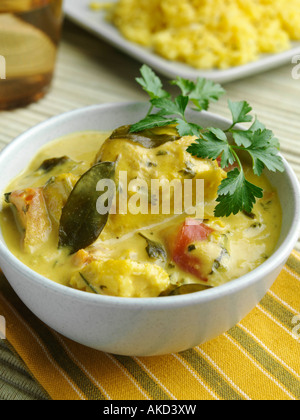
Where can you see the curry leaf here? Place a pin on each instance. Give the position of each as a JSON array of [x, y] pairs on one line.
[[189, 288], [155, 250], [7, 197], [146, 138], [151, 121], [81, 224], [49, 164]]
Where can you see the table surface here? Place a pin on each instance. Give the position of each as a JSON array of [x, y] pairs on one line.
[[89, 71]]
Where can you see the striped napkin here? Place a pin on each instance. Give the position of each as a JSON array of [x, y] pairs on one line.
[[256, 360]]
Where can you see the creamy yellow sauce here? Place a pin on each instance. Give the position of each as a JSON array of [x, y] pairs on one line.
[[118, 263]]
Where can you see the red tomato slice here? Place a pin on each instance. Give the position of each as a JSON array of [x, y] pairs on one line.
[[191, 231]]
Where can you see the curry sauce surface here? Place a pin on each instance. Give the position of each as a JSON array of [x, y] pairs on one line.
[[119, 262]]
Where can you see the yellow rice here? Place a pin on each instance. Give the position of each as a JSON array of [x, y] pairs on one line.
[[210, 33]]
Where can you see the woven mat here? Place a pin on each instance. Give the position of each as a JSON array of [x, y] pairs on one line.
[[264, 362]]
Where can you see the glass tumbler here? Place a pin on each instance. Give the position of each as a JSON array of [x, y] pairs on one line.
[[29, 36]]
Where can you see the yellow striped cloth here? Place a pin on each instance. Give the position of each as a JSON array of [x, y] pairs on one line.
[[256, 360]]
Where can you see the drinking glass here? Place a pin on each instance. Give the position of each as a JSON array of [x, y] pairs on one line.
[[29, 36]]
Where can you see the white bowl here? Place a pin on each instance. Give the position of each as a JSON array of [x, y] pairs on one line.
[[147, 326]]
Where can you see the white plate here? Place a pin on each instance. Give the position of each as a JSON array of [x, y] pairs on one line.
[[79, 12]]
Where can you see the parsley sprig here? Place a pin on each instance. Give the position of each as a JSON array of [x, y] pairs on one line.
[[235, 193]]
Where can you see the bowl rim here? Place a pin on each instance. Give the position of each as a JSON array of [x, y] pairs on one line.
[[278, 258]]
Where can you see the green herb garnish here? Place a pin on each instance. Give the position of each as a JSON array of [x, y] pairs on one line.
[[172, 111], [154, 249], [89, 284], [235, 193]]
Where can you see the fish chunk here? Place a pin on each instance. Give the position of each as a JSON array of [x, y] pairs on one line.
[[32, 217]]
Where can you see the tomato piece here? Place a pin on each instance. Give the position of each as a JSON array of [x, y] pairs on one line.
[[190, 232]]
